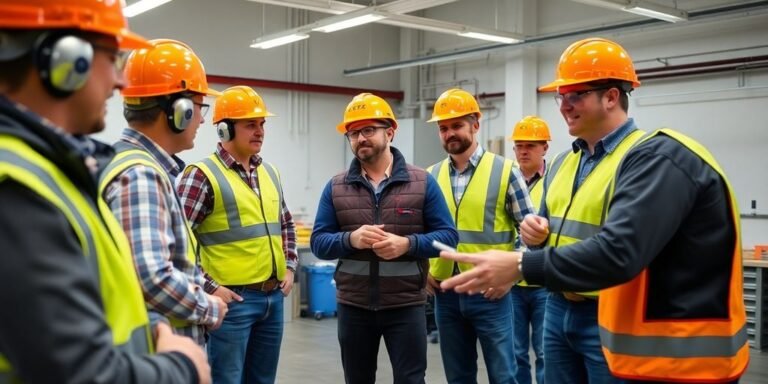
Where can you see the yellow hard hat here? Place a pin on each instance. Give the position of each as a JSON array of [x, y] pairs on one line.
[[366, 106], [590, 60], [239, 102], [454, 103], [531, 128]]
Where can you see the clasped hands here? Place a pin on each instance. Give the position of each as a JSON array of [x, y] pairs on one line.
[[385, 245]]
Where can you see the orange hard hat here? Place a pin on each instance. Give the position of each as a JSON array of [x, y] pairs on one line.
[[590, 60], [168, 67], [454, 103], [100, 16], [366, 106], [531, 128], [239, 102]]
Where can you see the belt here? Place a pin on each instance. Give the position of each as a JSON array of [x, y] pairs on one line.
[[576, 298], [264, 286]]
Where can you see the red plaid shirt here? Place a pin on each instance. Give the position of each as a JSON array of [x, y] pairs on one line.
[[196, 196]]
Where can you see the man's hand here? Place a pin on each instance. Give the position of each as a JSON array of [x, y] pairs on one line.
[[495, 293], [365, 236], [287, 284], [391, 247], [227, 294], [534, 230], [432, 285], [223, 309], [168, 342], [492, 269]]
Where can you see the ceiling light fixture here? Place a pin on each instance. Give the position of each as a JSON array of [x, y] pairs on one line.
[[142, 6], [657, 11], [641, 7], [490, 37], [348, 20], [349, 23], [272, 41]]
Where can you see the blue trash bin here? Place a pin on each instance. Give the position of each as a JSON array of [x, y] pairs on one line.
[[322, 290]]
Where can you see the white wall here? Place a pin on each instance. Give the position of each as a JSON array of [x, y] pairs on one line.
[[302, 140]]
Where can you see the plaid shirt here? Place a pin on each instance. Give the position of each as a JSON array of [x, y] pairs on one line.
[[518, 203], [196, 196], [146, 205]]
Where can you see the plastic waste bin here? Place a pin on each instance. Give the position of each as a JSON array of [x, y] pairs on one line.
[[322, 290]]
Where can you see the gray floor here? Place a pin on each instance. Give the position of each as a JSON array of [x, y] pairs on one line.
[[310, 354]]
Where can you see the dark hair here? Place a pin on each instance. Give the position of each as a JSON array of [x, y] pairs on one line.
[[13, 73], [624, 88], [142, 116]]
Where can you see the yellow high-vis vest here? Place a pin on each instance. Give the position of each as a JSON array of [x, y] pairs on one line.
[[577, 216], [241, 239], [480, 216], [103, 242], [127, 158], [536, 192], [676, 350]]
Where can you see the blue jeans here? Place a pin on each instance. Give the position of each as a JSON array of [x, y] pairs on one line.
[[572, 343], [246, 348], [405, 334], [462, 320], [529, 304]]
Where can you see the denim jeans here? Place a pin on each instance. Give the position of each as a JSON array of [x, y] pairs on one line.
[[246, 348], [462, 320], [572, 343], [529, 304], [405, 334]]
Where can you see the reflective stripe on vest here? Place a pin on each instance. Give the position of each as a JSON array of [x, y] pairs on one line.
[[242, 236], [129, 156], [574, 217], [480, 217], [676, 349], [103, 243], [386, 269]]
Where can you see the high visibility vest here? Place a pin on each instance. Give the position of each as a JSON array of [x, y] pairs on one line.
[[241, 239], [101, 238], [480, 216], [685, 350], [128, 157], [574, 217]]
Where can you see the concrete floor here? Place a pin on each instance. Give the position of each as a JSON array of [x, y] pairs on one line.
[[310, 354]]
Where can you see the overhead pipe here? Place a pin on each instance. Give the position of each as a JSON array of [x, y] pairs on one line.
[[628, 26], [704, 67], [304, 87]]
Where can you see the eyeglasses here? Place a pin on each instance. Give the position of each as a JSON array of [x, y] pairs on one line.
[[575, 96], [203, 108], [365, 131], [118, 57]]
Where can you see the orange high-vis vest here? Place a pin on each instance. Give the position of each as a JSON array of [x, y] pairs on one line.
[[675, 350]]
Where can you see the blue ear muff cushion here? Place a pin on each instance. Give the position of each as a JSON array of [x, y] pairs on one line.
[[225, 131]]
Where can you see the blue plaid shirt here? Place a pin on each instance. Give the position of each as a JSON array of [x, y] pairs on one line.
[[603, 147], [146, 205], [517, 202]]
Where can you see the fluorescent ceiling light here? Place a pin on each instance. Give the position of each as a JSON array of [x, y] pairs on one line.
[[349, 23], [618, 5], [490, 37], [142, 6], [661, 12], [271, 42]]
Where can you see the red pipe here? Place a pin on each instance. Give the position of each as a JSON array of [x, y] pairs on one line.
[[740, 60], [319, 88]]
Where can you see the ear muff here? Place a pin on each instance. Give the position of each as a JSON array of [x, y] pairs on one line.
[[226, 130], [180, 111], [63, 62]]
